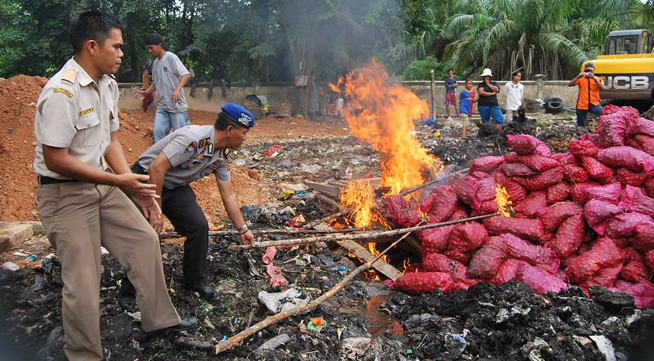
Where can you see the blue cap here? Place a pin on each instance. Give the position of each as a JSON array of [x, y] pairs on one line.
[[238, 114]]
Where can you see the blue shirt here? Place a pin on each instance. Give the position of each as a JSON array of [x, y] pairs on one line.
[[465, 101], [450, 85]]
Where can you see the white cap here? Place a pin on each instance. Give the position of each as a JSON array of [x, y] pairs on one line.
[[486, 72]]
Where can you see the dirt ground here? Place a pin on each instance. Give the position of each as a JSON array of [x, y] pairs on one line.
[[365, 321], [18, 96]]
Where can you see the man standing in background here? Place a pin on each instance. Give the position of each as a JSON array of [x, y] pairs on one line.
[[194, 80], [514, 93], [218, 77], [450, 94], [169, 77], [588, 99]]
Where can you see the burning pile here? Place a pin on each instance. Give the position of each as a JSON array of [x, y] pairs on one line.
[[584, 217]]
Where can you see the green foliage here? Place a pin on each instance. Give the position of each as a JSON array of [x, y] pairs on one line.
[[420, 69], [274, 40]]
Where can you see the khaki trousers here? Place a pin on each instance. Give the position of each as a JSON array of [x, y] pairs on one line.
[[79, 218]]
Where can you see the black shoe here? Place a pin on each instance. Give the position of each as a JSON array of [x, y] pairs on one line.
[[127, 302], [207, 292], [185, 324]]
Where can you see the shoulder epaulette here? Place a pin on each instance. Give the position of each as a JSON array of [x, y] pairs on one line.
[[70, 75]]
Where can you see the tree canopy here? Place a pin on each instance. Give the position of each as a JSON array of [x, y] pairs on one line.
[[277, 40]]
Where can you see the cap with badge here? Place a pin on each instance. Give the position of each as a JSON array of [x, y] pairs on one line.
[[238, 114]]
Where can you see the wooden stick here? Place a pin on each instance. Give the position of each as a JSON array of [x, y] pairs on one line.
[[417, 188], [166, 235], [271, 320], [356, 235], [325, 219]]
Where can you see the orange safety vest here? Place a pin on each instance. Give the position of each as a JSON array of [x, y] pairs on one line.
[[588, 93]]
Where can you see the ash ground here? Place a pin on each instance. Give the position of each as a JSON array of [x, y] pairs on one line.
[[485, 322]]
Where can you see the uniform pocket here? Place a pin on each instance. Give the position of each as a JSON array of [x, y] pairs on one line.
[[48, 201], [89, 131]]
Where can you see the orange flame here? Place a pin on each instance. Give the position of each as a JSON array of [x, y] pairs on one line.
[[359, 196], [382, 114], [503, 201]]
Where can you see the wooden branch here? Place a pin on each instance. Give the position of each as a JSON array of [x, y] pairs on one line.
[[271, 320], [166, 235], [356, 235], [440, 178], [326, 218], [191, 343]]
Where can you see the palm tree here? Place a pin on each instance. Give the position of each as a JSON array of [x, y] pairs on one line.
[[551, 37]]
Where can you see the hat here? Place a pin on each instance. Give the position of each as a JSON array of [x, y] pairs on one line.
[[238, 114], [486, 72], [590, 66], [153, 39]]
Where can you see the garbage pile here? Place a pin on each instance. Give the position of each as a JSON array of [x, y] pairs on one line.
[[584, 217]]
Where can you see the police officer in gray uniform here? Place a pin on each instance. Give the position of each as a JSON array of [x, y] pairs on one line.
[[180, 158]]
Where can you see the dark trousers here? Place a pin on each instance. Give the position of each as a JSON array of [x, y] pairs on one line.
[[213, 83], [180, 207], [582, 113]]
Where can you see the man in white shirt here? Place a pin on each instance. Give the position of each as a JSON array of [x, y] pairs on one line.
[[514, 92]]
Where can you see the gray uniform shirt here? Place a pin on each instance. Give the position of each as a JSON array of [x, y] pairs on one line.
[[166, 73], [75, 112], [191, 153]]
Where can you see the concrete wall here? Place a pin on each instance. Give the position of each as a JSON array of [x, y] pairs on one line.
[[283, 93]]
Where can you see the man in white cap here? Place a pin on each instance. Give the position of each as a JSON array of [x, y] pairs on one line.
[[489, 107]]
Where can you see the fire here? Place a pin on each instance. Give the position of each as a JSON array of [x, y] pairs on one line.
[[503, 201], [359, 196], [382, 114]]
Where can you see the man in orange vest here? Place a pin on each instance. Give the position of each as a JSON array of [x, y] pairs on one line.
[[588, 99]]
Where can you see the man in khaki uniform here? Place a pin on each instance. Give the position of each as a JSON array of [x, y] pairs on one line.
[[81, 204]]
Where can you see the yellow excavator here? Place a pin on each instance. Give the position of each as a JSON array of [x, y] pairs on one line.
[[627, 66]]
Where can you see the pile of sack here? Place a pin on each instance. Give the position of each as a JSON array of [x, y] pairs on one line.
[[585, 217]]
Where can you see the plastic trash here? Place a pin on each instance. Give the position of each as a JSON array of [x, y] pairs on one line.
[[605, 347], [342, 270], [273, 343], [273, 151], [47, 266], [297, 221], [316, 324], [356, 346], [31, 258], [10, 266], [281, 301]]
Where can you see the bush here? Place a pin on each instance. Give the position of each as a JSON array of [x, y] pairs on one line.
[[420, 69]]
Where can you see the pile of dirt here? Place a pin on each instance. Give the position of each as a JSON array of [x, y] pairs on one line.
[[269, 128], [18, 96]]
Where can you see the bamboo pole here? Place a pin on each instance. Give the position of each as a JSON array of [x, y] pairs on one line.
[[167, 235], [271, 320], [356, 235]]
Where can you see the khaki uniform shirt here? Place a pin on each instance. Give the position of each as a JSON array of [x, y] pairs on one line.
[[191, 153], [75, 112]]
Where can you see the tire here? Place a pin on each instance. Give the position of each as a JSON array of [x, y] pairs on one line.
[[554, 105]]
